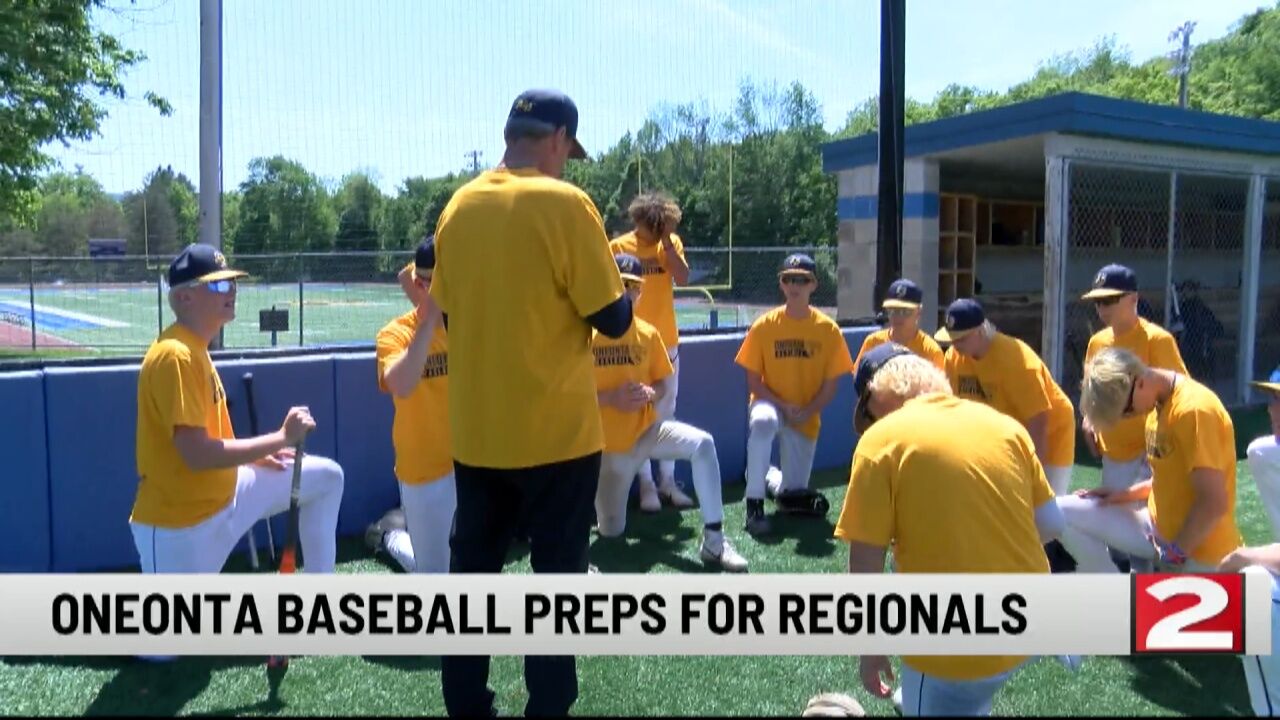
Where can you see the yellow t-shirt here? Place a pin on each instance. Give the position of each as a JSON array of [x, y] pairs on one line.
[[521, 260], [638, 356], [178, 385], [657, 304], [1192, 430], [420, 430], [1156, 348], [921, 345], [795, 357], [950, 502], [1014, 380]]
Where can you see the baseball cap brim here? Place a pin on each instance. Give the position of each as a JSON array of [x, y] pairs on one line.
[[1270, 386], [796, 271], [895, 303], [1104, 293], [632, 278], [576, 151], [221, 275], [947, 336], [861, 415]]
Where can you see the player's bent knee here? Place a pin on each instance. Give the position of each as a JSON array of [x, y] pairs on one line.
[[763, 424], [325, 472]]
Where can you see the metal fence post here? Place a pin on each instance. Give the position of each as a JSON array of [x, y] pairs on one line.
[[1254, 208], [159, 304], [1170, 283], [31, 298], [1057, 237], [300, 299]]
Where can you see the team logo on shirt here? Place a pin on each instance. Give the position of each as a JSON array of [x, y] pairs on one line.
[[792, 349], [651, 266], [618, 355], [1158, 445], [437, 365], [971, 386]]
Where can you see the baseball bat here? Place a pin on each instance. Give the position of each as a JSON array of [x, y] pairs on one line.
[[253, 431], [288, 556]]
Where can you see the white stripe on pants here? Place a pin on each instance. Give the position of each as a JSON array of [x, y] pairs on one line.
[[926, 696], [1262, 672], [423, 546], [260, 493], [795, 450], [666, 408], [667, 440], [1093, 527]]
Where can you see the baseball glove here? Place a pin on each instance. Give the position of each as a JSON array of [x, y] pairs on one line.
[[833, 705]]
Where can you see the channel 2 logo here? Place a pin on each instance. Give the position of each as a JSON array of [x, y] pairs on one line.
[[1188, 613]]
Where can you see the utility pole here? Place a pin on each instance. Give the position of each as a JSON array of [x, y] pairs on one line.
[[1182, 61], [475, 160]]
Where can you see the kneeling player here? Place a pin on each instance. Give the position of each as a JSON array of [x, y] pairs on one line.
[[794, 356], [1264, 454], [1261, 672], [957, 485], [201, 489], [1189, 514], [633, 373], [413, 366]]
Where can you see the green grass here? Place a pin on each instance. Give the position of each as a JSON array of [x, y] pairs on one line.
[[640, 686]]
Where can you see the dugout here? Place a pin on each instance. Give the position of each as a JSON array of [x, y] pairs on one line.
[[1020, 205]]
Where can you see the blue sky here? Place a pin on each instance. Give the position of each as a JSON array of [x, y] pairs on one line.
[[400, 88]]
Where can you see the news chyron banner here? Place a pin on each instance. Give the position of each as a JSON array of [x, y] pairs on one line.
[[619, 615]]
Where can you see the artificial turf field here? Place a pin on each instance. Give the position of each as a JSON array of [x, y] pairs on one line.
[[640, 686]]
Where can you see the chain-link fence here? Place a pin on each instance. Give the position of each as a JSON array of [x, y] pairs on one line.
[[1183, 233], [117, 305]]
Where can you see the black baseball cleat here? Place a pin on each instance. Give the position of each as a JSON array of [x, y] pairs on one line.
[[808, 503]]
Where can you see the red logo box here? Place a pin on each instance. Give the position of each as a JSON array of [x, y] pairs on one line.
[[1199, 613]]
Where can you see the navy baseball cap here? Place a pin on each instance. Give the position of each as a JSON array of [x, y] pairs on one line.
[[1112, 281], [871, 363], [629, 267], [904, 294], [963, 317], [547, 111], [1272, 384], [424, 258], [798, 264], [200, 263]]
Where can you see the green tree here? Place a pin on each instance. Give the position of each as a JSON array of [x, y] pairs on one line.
[[283, 209], [164, 217], [52, 65]]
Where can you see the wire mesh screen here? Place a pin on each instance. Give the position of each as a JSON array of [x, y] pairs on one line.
[[1209, 232], [1116, 215], [118, 305], [1266, 354]]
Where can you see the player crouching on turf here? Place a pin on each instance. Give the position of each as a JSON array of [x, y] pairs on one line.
[[1261, 672], [413, 366], [1189, 517], [633, 373], [795, 356], [202, 489], [957, 486], [1264, 454]]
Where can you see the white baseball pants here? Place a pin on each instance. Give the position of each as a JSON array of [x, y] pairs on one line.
[[1122, 476], [666, 408], [928, 696], [423, 546], [1262, 672], [260, 493], [1093, 527], [1264, 464], [795, 451], [1059, 477], [665, 440]]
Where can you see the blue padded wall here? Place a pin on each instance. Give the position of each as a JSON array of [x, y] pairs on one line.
[[92, 417], [713, 397], [24, 483], [364, 443]]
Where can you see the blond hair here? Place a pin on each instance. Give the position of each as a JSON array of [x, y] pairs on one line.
[[909, 376], [1108, 381], [655, 210]]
